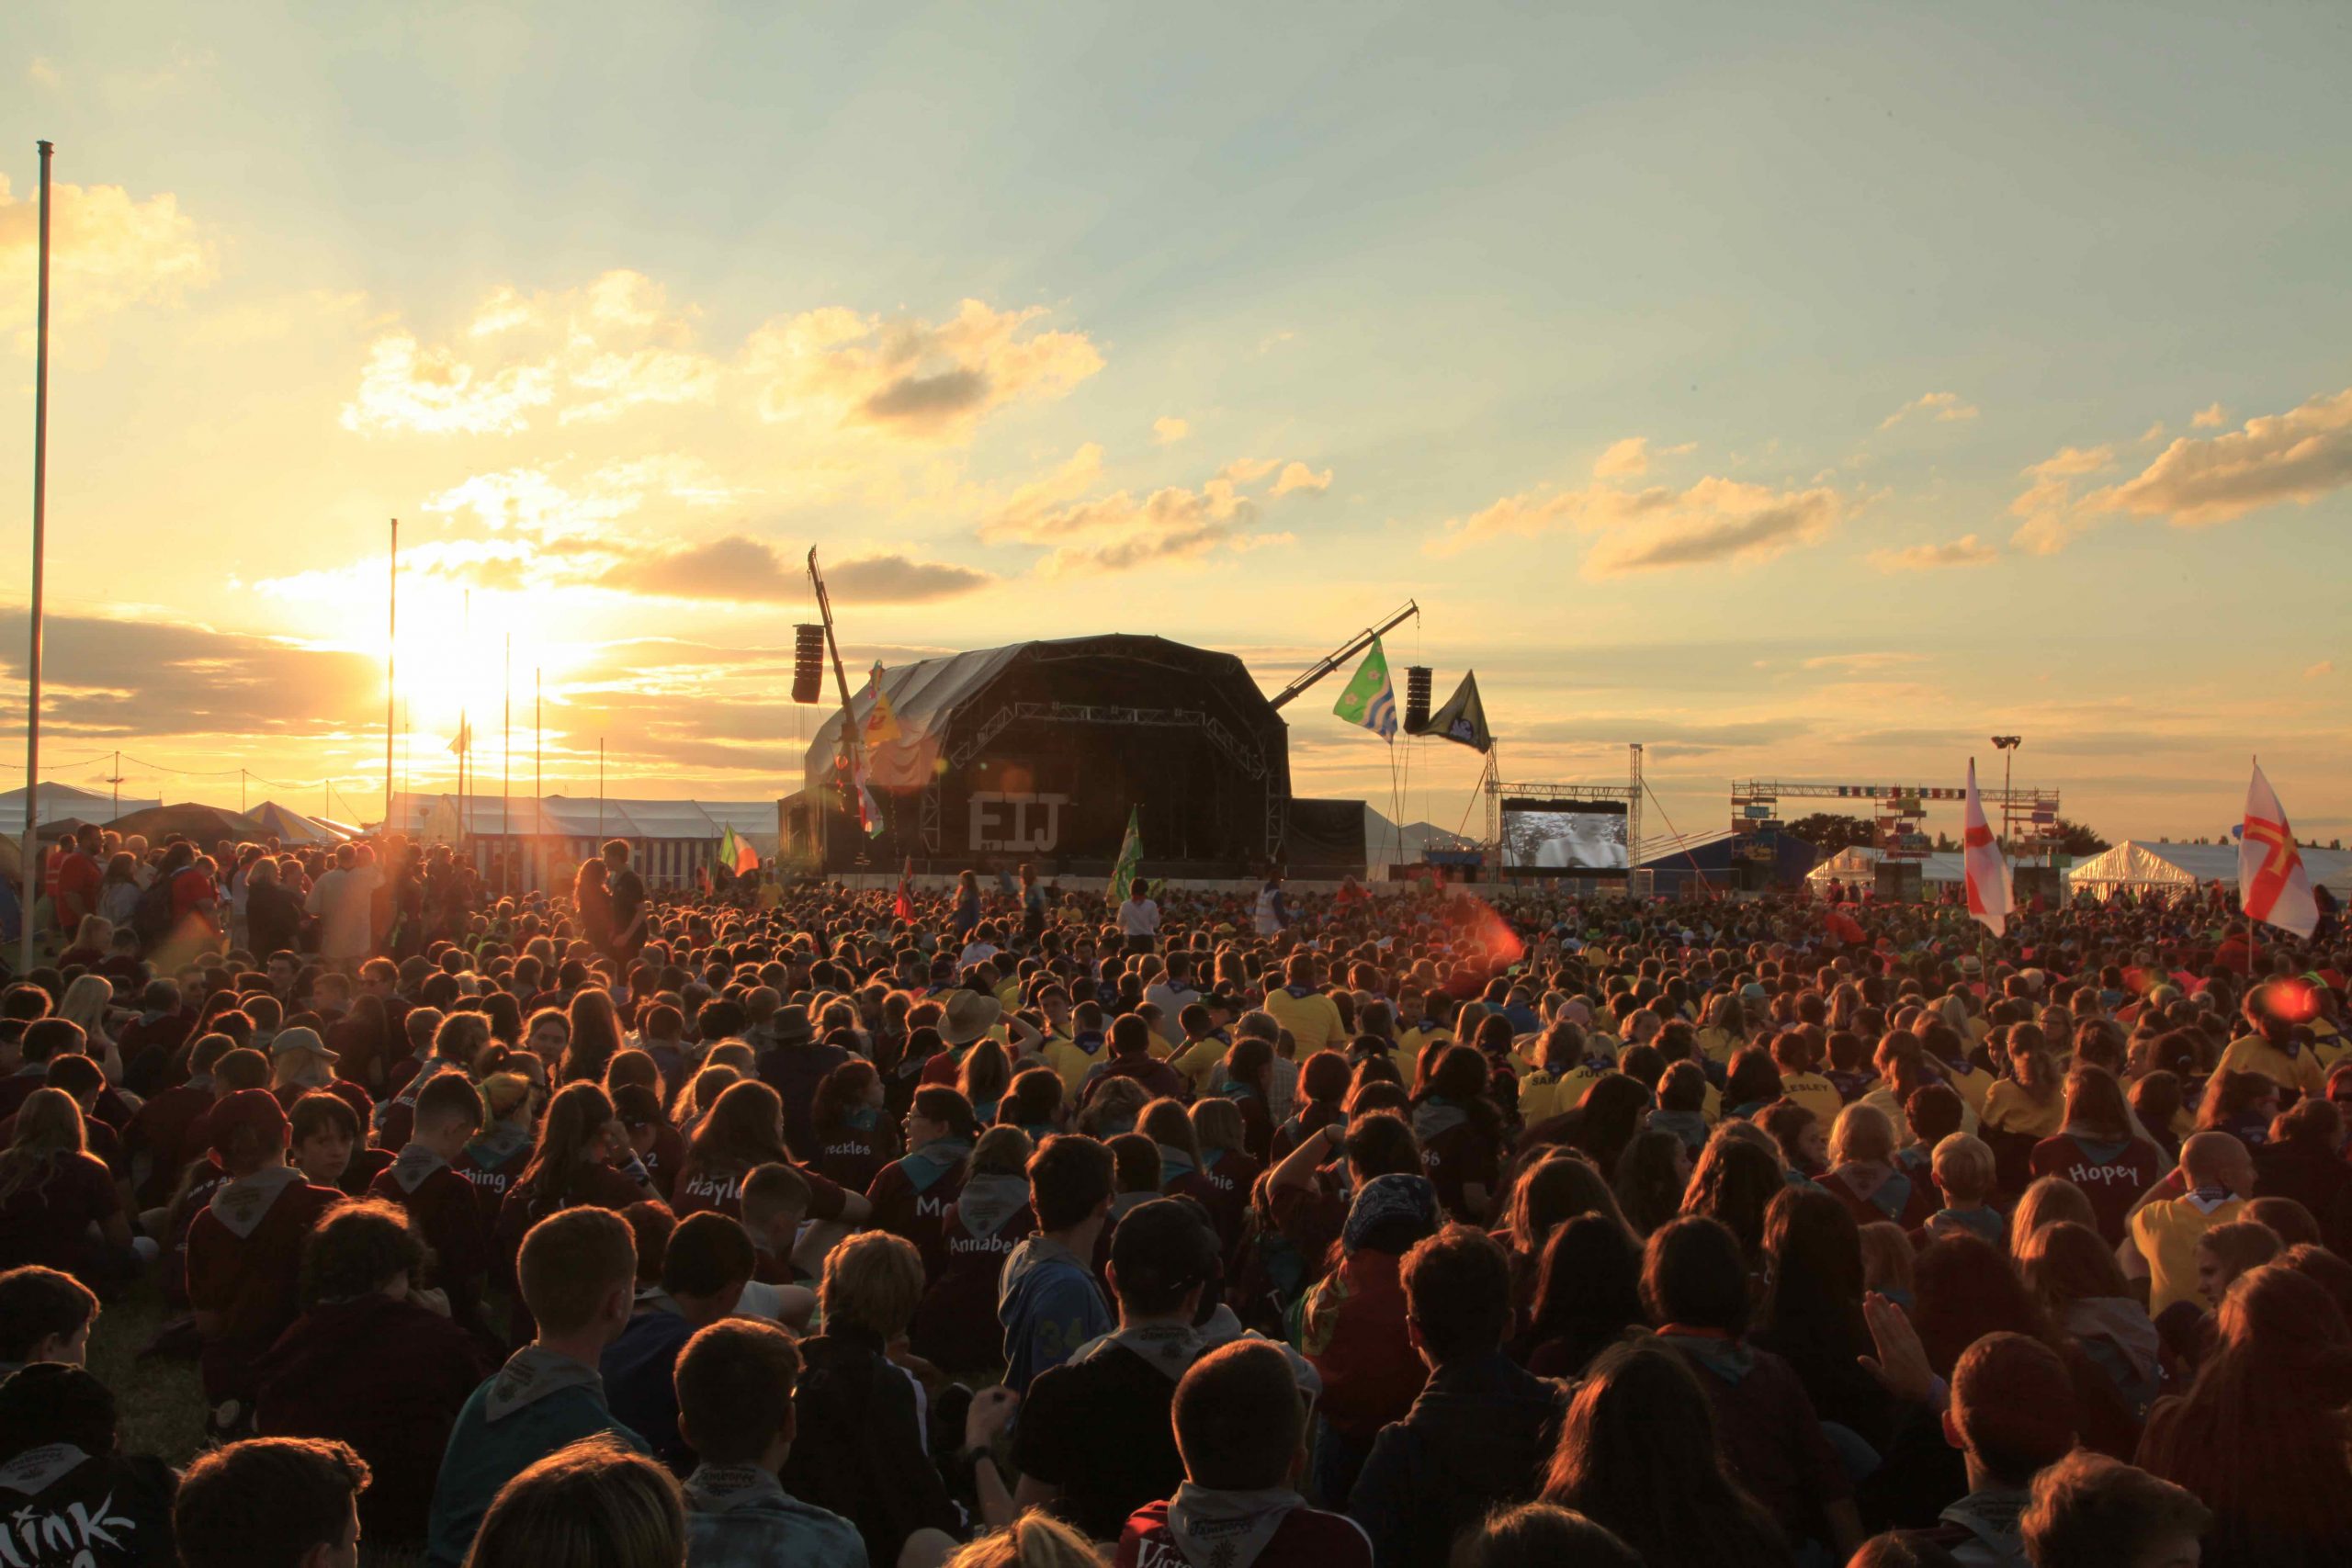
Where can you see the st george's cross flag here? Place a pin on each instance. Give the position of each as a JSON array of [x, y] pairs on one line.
[[1988, 878], [2273, 887], [1371, 699]]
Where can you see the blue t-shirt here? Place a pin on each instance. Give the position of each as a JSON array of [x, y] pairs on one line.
[[484, 1455]]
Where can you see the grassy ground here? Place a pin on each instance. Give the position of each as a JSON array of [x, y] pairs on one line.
[[161, 1399]]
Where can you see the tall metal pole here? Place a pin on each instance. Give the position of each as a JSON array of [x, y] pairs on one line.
[[506, 769], [31, 879], [600, 795], [538, 787], [392, 668]]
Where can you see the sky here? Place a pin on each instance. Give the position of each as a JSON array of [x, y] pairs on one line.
[[1806, 391]]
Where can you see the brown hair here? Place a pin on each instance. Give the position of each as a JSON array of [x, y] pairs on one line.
[[571, 1261], [594, 1504]]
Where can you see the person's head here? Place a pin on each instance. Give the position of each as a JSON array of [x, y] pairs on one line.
[[271, 1503], [45, 1315], [1638, 1453], [2089, 1511], [873, 1282], [2217, 1160], [1862, 1135], [1693, 1276], [361, 1248], [2047, 1201], [1238, 1418], [776, 1199], [449, 1112], [735, 1380], [1540, 1535], [2226, 1251], [248, 1129], [2012, 1407], [1163, 1255], [1458, 1295], [1967, 1289], [1963, 1169], [55, 1402], [1070, 1181], [706, 1265], [2065, 1262], [939, 1112], [1035, 1540], [578, 1273], [598, 1504]]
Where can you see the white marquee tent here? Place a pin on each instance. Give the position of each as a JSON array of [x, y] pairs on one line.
[[550, 836], [2140, 863], [1860, 862]]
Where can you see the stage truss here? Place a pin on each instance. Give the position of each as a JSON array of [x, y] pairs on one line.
[[1755, 813], [1629, 793]]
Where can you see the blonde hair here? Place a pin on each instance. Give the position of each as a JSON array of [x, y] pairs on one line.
[[49, 1124], [1035, 1540], [2046, 1201], [1002, 1151], [1963, 1167], [86, 1001], [873, 1280], [1217, 1124], [1862, 1135], [1886, 1257], [594, 1504]]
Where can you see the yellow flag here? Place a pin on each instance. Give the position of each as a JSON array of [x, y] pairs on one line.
[[881, 721]]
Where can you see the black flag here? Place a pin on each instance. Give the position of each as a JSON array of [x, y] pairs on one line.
[[1463, 719]]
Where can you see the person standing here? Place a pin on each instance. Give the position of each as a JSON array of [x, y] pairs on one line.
[[1139, 918], [626, 890], [344, 901]]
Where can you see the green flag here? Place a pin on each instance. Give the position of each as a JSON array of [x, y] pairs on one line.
[[1371, 699], [1130, 862]]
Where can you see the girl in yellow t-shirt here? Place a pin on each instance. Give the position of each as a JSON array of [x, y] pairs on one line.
[[2032, 1099]]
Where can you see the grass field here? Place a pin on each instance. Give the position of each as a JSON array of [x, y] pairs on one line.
[[160, 1400]]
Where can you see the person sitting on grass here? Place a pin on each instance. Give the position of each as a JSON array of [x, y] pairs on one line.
[[245, 1253], [705, 1266], [578, 1273], [371, 1365], [59, 1437], [271, 1503], [1047, 1300], [1239, 1425], [441, 1201], [735, 1381], [45, 1315], [2012, 1414], [2089, 1511]]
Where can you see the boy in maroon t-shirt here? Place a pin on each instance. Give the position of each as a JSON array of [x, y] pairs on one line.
[[1240, 1426], [245, 1253], [439, 1200]]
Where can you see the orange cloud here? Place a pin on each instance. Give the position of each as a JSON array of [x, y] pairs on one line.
[[1658, 528], [1945, 406], [107, 253], [1964, 551]]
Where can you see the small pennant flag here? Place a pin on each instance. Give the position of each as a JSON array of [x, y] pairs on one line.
[[1463, 719], [869, 814], [1988, 878], [1130, 862], [1370, 700], [465, 741], [882, 719], [2273, 887], [735, 854]]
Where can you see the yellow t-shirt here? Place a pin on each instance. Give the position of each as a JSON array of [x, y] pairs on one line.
[[1973, 1083], [1539, 1097], [1410, 1046], [1718, 1045], [1199, 1060], [1066, 1060], [1313, 1021], [2253, 1053], [1816, 1094], [2009, 1109], [2166, 1232]]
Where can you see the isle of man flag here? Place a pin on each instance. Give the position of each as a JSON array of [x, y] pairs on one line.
[[2272, 884]]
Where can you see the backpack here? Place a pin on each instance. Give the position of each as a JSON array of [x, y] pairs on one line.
[[150, 918]]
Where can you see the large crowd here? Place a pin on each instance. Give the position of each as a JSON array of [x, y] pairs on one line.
[[775, 1222]]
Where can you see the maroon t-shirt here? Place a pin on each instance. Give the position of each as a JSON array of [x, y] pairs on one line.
[[251, 1283], [1223, 1184], [956, 1326], [448, 1216], [1457, 1157], [721, 1188], [855, 1156], [47, 1219], [920, 1216], [1307, 1538], [2112, 1180], [159, 1130]]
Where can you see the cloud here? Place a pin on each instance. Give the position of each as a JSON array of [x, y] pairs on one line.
[[2319, 671], [170, 678], [2296, 457], [1117, 531], [1945, 406], [2152, 433], [406, 387], [107, 253], [1659, 529], [910, 377], [1249, 470], [1623, 459], [2210, 417], [1857, 663], [1966, 550], [646, 375], [42, 74], [1168, 430], [737, 568], [1298, 477]]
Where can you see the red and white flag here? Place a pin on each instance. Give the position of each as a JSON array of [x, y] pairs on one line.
[[1988, 877], [2272, 884]]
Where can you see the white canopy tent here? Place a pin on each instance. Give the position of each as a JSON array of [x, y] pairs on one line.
[[2144, 864], [669, 840], [1859, 863]]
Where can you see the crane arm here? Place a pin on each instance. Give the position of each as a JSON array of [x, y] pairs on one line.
[[1332, 660]]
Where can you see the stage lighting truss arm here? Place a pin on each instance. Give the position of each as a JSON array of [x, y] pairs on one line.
[[1339, 657]]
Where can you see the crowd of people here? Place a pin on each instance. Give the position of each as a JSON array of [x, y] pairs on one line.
[[779, 1222]]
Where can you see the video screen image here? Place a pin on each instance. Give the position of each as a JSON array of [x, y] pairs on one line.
[[1565, 835]]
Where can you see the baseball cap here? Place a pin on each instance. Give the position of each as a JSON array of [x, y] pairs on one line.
[[1162, 1247], [248, 1108], [302, 1038]]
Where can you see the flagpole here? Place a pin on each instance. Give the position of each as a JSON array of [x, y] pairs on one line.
[[538, 788], [506, 768], [30, 879], [392, 667], [2252, 926]]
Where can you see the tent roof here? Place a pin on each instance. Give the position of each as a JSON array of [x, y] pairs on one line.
[[2140, 862], [291, 827], [60, 801], [1860, 859]]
